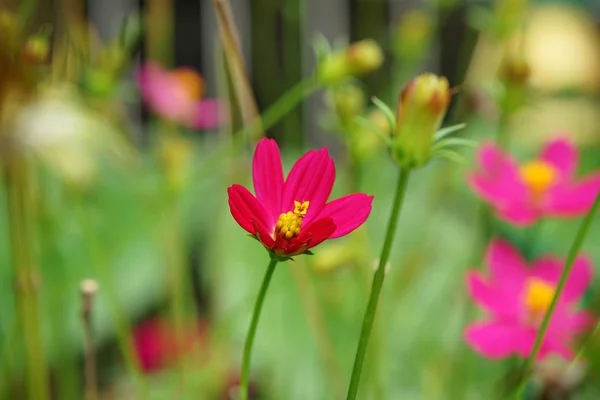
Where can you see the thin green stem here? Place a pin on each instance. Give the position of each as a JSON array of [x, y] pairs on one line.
[[179, 284], [369, 317], [245, 378], [573, 251], [122, 325], [283, 105], [26, 277]]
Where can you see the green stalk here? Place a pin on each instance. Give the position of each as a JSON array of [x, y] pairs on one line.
[[26, 278], [573, 251], [369, 317], [245, 378], [123, 328], [283, 106]]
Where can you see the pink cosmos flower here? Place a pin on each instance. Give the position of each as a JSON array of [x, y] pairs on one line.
[[516, 297], [176, 96], [157, 346], [292, 216], [544, 186]]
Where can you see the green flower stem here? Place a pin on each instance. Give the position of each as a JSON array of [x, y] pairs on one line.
[[245, 378], [283, 105], [179, 287], [123, 329], [369, 317], [573, 251], [26, 277]]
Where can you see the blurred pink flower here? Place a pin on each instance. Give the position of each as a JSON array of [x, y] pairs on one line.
[[292, 216], [176, 95], [157, 346], [544, 186], [516, 297]]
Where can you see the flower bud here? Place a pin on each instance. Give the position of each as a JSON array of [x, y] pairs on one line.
[[359, 59], [36, 49], [348, 102], [333, 69], [413, 35], [515, 70], [364, 56], [514, 74], [423, 105]]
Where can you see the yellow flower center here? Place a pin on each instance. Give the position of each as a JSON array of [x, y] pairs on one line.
[[538, 296], [539, 176], [289, 224], [192, 82]]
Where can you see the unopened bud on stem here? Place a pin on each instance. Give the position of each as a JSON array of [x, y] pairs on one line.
[[423, 105]]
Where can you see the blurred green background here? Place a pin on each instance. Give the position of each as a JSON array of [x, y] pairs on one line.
[[114, 194]]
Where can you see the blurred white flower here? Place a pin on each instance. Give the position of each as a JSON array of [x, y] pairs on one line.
[[66, 136]]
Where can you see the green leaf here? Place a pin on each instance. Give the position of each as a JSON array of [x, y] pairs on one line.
[[447, 131], [450, 155], [454, 142], [389, 114], [382, 135], [321, 47]]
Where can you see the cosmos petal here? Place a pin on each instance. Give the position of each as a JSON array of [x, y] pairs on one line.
[[267, 175], [311, 179], [561, 154], [246, 210], [348, 212]]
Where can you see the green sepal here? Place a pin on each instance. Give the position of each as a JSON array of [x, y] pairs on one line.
[[447, 131], [279, 258], [450, 155], [442, 144], [382, 135], [389, 114]]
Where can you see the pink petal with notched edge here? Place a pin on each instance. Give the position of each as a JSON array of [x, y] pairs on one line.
[[318, 231], [495, 339], [209, 114], [508, 267], [580, 278], [246, 210], [311, 179], [500, 301], [519, 214], [498, 179], [491, 158], [501, 191], [554, 346], [561, 154], [566, 324], [580, 322], [348, 212], [572, 199], [267, 175]]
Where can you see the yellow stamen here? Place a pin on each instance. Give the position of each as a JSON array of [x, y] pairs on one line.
[[289, 224], [538, 175], [538, 296], [301, 208], [192, 81]]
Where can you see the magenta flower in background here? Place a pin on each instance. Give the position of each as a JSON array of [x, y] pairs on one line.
[[157, 346], [543, 187], [176, 95], [516, 297], [292, 216]]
